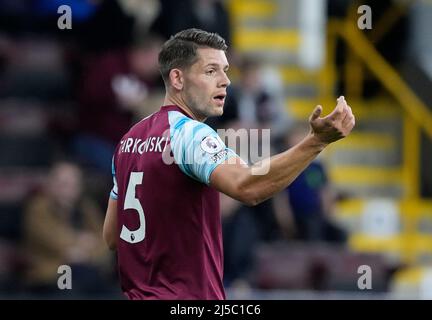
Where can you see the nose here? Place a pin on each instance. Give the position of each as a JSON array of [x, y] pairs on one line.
[[225, 82]]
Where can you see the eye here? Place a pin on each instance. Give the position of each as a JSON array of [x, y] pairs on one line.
[[211, 72]]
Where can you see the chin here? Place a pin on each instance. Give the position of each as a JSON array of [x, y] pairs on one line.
[[218, 111], [215, 111]]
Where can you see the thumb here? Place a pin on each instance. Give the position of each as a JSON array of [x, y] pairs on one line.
[[316, 113]]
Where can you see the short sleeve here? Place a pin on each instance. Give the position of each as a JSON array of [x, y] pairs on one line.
[[196, 147], [114, 190]]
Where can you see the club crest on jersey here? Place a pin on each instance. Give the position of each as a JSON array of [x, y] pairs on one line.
[[211, 144]]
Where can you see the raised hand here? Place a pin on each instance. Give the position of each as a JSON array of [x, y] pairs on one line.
[[337, 125]]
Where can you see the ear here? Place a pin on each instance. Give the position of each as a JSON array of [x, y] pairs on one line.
[[176, 78]]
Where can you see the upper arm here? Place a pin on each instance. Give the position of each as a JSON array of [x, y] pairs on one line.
[[110, 225]]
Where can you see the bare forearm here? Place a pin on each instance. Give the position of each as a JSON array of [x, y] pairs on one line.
[[282, 170], [261, 181]]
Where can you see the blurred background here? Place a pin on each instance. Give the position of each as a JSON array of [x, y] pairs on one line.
[[68, 95]]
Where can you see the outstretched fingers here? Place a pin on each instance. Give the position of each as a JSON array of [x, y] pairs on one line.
[[340, 110], [348, 117], [338, 124], [348, 124], [316, 113]]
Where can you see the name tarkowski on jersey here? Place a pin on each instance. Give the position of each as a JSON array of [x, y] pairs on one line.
[[137, 145]]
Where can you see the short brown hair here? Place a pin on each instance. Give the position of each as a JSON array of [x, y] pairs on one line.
[[180, 51]]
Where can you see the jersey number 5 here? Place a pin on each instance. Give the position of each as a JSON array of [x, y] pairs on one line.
[[131, 202]]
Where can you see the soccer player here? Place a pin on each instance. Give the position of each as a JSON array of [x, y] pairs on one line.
[[163, 213]]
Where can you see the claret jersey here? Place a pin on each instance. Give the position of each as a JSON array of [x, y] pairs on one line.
[[169, 224]]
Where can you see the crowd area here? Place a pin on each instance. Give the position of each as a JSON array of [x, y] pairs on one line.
[[67, 96]]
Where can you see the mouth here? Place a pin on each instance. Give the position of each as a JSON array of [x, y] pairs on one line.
[[220, 99]]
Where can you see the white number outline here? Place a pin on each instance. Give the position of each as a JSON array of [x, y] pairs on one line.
[[131, 202]]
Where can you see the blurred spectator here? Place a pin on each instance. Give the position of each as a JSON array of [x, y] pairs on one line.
[[208, 15], [62, 226], [113, 87], [144, 12], [109, 28], [240, 239], [33, 68], [310, 201], [244, 228], [255, 101], [6, 52]]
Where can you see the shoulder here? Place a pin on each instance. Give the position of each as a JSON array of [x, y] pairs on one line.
[[178, 119], [180, 122]]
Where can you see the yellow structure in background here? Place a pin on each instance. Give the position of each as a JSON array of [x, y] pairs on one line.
[[411, 244], [416, 115]]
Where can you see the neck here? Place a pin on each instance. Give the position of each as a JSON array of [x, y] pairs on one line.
[[179, 102]]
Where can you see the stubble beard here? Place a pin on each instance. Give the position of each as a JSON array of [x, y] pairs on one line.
[[200, 110]]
